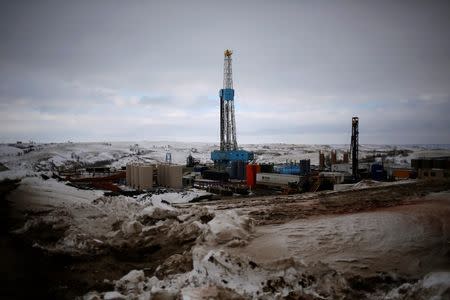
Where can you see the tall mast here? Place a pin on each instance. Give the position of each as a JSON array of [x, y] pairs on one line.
[[227, 118]]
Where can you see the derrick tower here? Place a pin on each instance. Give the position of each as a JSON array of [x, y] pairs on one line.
[[227, 120], [354, 147], [228, 151]]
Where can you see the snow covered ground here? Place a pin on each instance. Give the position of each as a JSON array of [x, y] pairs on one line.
[[321, 258], [118, 154], [229, 256]]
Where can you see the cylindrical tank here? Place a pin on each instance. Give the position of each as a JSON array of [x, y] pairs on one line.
[[136, 176], [128, 174], [251, 171], [146, 177], [162, 174], [175, 176]]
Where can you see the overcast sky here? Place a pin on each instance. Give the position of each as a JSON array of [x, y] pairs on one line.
[[151, 70]]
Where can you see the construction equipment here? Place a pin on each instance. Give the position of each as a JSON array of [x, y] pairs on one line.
[[354, 148], [228, 144]]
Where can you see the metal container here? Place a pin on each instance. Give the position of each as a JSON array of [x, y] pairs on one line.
[[291, 169], [135, 182], [241, 170], [305, 166], [128, 174], [146, 177], [215, 175], [439, 163], [233, 169], [377, 172], [273, 179], [251, 171], [401, 173], [427, 164], [416, 163], [175, 176]]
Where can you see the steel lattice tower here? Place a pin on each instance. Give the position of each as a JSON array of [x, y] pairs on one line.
[[354, 147], [227, 120]]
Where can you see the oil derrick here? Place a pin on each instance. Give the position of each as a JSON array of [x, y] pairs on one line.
[[227, 120], [228, 151]]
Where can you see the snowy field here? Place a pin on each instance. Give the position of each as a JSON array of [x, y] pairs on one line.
[[118, 154], [218, 251]]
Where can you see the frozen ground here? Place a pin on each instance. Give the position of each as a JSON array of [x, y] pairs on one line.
[[407, 239], [373, 241], [395, 253], [117, 154]]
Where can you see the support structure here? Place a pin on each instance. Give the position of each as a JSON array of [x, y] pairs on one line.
[[354, 148]]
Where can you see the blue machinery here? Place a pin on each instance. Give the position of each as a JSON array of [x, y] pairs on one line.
[[228, 145]]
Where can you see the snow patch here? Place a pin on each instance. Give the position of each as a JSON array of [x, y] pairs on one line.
[[229, 228]]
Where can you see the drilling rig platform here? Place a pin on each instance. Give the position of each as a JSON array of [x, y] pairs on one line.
[[229, 151]]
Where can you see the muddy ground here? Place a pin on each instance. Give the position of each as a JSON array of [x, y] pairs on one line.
[[281, 209], [30, 272]]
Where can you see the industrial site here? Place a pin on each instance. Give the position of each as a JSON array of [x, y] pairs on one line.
[[172, 220], [230, 150]]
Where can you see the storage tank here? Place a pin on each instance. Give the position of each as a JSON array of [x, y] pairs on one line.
[[162, 174], [141, 177], [251, 171], [128, 174], [146, 177], [292, 169], [131, 175], [135, 176], [166, 175], [175, 176]]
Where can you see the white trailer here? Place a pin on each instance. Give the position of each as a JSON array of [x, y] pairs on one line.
[[273, 179]]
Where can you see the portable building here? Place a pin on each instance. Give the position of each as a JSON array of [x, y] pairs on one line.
[[274, 179]]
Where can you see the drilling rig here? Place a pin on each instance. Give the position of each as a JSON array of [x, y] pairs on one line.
[[228, 144], [354, 148]]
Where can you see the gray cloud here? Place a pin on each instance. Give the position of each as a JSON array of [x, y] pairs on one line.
[[144, 70]]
